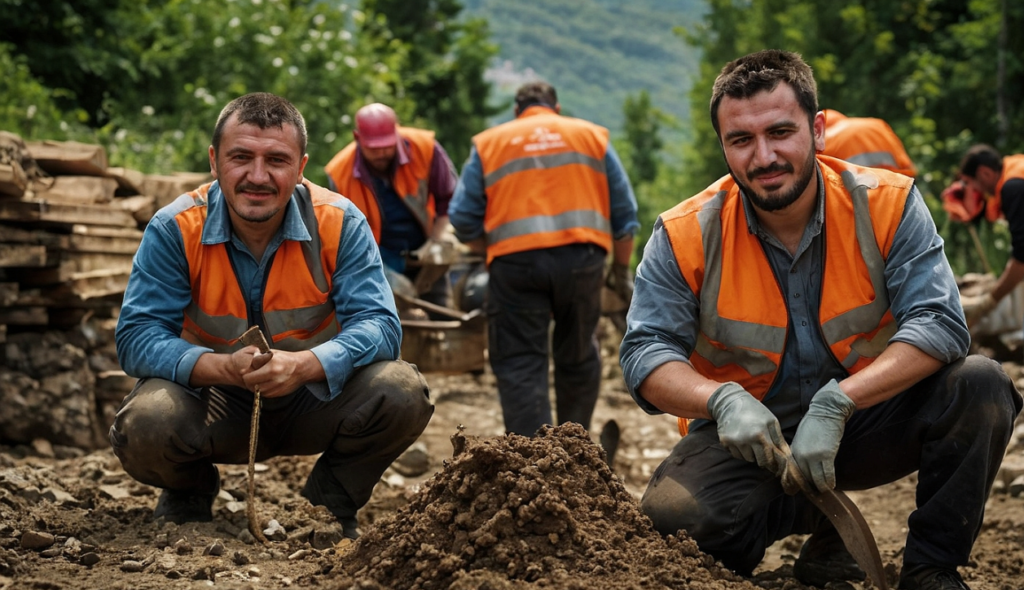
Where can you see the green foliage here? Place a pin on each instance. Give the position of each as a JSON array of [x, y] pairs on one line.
[[441, 70], [595, 52], [27, 107]]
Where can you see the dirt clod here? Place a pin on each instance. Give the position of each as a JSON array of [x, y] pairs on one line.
[[522, 512]]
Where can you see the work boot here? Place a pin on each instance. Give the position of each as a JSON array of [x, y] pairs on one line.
[[824, 558], [931, 577], [322, 489], [180, 507]]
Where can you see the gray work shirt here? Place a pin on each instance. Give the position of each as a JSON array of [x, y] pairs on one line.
[[924, 299]]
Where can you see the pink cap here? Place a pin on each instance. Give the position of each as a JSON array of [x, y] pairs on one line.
[[376, 126]]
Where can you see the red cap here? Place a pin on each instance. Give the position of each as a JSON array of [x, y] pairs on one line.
[[376, 126]]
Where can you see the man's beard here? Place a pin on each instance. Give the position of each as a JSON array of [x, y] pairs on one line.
[[778, 201], [263, 216]]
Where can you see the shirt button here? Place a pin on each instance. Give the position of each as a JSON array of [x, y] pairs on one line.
[[797, 296], [803, 323]]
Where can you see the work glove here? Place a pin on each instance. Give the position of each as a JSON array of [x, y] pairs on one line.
[[817, 437], [620, 281], [977, 307], [746, 427]]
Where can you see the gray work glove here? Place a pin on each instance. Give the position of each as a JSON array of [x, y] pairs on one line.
[[620, 281], [817, 436], [746, 427]]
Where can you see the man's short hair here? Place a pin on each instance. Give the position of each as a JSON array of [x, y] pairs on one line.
[[535, 93], [980, 155], [264, 110], [762, 72]]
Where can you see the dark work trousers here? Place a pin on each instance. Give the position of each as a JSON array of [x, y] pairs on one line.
[[526, 291], [166, 436], [952, 426]]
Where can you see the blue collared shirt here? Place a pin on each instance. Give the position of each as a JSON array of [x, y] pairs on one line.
[[149, 328], [469, 203], [664, 315]]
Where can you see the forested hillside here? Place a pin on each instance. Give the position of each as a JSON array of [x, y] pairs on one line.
[[595, 52]]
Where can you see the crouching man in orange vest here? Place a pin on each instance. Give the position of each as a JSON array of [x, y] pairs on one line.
[[549, 199], [263, 247], [807, 300]]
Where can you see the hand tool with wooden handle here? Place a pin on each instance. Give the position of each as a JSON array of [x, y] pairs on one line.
[[843, 514], [254, 337]]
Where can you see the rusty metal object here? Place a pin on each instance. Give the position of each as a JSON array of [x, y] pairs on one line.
[[254, 337], [843, 514]]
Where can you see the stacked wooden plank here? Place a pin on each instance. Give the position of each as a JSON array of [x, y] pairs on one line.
[[69, 227]]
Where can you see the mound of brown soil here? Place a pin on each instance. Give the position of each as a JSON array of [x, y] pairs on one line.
[[518, 512]]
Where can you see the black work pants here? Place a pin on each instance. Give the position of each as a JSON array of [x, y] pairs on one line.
[[526, 291], [952, 427], [166, 436]]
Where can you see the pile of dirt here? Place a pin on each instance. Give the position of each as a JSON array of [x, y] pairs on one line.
[[518, 512]]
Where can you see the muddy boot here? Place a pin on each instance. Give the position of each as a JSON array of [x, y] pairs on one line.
[[929, 577], [824, 558], [322, 489], [180, 506]]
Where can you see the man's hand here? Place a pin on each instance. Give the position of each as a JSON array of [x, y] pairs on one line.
[[817, 437], [977, 307], [746, 427], [435, 251], [275, 373], [620, 281]]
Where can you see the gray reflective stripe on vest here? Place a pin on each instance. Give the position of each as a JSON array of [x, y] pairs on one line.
[[306, 319], [310, 249], [298, 344], [542, 162], [744, 339], [874, 159], [224, 327], [866, 317], [582, 218]]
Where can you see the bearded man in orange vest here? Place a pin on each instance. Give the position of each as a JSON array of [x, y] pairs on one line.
[[805, 301], [402, 179], [261, 246], [865, 141], [548, 199], [1002, 178]]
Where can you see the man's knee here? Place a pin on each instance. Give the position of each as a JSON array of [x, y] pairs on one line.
[[400, 394], [671, 507], [988, 389], [143, 426]]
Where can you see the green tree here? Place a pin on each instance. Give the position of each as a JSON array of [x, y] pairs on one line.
[[441, 70], [642, 127]]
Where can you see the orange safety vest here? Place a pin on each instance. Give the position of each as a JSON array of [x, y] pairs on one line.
[[546, 184], [1013, 167], [743, 315], [297, 306], [866, 142], [410, 181]]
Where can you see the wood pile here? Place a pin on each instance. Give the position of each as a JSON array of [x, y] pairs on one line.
[[70, 225]]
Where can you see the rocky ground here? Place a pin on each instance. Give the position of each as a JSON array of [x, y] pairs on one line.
[[465, 508]]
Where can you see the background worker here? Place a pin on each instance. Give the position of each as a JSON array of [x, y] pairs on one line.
[[865, 141], [402, 180], [802, 298], [1003, 178], [548, 198], [261, 246]]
